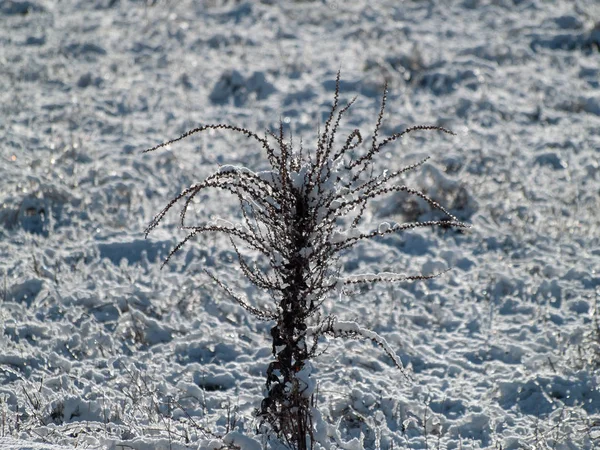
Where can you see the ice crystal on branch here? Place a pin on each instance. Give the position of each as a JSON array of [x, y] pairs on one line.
[[299, 216]]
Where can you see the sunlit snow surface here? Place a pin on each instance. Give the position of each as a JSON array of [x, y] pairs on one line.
[[100, 348]]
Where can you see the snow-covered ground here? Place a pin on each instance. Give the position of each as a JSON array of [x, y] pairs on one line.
[[101, 348]]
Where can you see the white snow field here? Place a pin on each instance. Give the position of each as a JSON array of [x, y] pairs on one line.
[[100, 348]]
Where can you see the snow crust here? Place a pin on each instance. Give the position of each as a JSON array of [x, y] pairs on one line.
[[99, 348]]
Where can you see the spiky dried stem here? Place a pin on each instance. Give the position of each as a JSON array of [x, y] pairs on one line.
[[299, 216]]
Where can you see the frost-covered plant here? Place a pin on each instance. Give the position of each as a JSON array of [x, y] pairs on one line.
[[299, 216]]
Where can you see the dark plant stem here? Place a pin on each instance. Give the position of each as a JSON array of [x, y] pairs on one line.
[[299, 216], [284, 389]]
